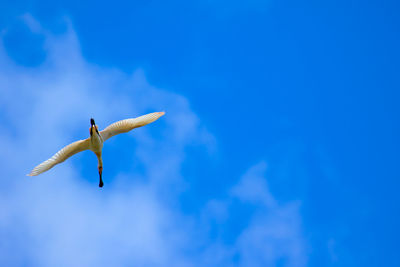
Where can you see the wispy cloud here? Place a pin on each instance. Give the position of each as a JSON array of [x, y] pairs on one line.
[[59, 217], [62, 218], [273, 235]]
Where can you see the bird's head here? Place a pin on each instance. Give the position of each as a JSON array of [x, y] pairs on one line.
[[93, 127]]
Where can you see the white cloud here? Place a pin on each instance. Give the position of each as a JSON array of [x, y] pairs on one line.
[[62, 218], [253, 187], [59, 218], [273, 235]]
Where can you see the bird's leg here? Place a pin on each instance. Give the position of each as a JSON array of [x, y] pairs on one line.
[[100, 167], [100, 174]]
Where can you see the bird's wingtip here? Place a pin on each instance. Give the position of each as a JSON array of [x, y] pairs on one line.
[[161, 113]]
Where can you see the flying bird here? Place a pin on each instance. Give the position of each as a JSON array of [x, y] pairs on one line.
[[95, 142]]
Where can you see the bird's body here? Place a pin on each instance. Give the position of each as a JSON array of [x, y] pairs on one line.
[[95, 142]]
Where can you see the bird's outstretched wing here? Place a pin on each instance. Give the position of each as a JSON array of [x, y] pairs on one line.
[[129, 124], [61, 156]]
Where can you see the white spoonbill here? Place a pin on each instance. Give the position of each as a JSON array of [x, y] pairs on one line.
[[95, 142]]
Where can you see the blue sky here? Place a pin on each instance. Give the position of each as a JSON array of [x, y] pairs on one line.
[[279, 146]]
